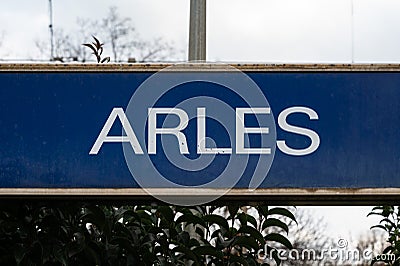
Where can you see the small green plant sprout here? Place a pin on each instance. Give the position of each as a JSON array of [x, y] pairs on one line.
[[97, 49]]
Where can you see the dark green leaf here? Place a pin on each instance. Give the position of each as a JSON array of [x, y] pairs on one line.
[[208, 250], [388, 221], [105, 60], [94, 215], [242, 219], [377, 208], [374, 213], [183, 238], [190, 219], [91, 47], [167, 213], [216, 233], [98, 44], [263, 210], [388, 249], [275, 222], [251, 220], [189, 254], [200, 231], [254, 233], [193, 243], [216, 219], [387, 210], [283, 212], [127, 215], [247, 242], [233, 209], [279, 238], [379, 226]]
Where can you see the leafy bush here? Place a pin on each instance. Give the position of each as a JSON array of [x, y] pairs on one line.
[[76, 233], [391, 224]]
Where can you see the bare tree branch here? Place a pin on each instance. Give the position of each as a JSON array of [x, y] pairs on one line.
[[119, 35], [374, 241], [154, 50], [66, 48]]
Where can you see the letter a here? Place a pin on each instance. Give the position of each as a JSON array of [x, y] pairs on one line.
[[130, 134]]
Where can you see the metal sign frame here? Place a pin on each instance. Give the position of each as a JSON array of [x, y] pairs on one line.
[[309, 196]]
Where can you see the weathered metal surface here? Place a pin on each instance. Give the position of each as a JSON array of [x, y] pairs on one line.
[[197, 30], [151, 67], [316, 197]]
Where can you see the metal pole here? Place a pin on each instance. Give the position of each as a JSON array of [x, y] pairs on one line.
[[197, 52], [51, 31], [197, 30]]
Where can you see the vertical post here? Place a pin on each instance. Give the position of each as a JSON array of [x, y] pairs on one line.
[[197, 30], [51, 31], [197, 52]]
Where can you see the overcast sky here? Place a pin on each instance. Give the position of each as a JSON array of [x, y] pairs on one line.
[[269, 31], [238, 30]]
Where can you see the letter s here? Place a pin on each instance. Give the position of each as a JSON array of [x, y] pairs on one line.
[[315, 140]]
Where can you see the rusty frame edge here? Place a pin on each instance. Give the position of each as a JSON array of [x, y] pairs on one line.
[[201, 191], [152, 67], [281, 196]]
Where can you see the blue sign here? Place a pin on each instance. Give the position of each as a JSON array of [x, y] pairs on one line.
[[131, 130]]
